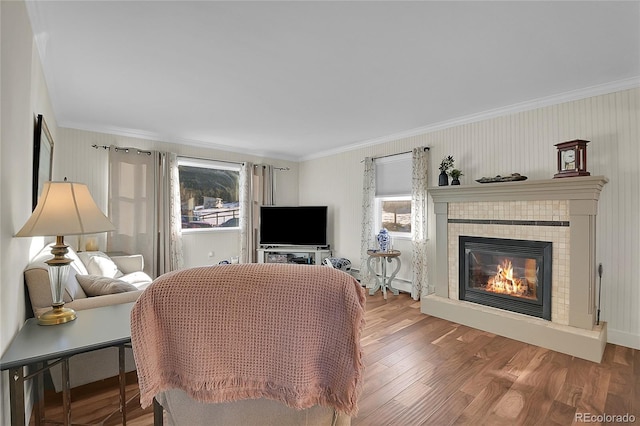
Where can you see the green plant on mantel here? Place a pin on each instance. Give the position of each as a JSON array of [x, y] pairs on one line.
[[455, 173], [446, 163]]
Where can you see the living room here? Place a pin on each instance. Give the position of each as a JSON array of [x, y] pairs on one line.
[[513, 138]]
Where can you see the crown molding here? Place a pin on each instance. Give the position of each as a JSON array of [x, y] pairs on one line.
[[570, 96], [574, 95], [158, 137]]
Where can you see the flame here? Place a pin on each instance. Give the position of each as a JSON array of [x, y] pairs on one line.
[[504, 281]]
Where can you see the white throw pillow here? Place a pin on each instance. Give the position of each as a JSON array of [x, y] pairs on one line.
[[103, 266], [94, 285], [72, 288]]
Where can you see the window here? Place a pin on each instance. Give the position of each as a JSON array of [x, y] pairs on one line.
[[209, 194], [393, 199], [394, 213]]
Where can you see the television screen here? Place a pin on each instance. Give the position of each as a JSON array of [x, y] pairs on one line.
[[304, 225]]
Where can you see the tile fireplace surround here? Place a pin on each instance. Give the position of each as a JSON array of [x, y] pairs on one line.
[[562, 211]]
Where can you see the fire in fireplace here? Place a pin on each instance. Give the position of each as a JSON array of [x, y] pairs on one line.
[[509, 274]]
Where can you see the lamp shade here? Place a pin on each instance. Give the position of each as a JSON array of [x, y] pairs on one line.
[[65, 208]]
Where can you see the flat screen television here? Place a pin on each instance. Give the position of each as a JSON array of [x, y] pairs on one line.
[[287, 226]]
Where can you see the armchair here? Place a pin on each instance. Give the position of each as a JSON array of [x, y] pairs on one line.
[[269, 344]]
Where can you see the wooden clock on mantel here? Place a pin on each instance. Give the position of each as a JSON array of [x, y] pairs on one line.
[[572, 159]]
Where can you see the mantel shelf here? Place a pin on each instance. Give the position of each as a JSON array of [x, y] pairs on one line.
[[571, 188]]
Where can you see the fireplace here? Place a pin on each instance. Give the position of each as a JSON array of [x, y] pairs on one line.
[[509, 274], [561, 213]]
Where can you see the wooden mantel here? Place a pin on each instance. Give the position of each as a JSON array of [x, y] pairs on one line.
[[571, 188]]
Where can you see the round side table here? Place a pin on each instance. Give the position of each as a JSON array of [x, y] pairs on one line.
[[382, 281]]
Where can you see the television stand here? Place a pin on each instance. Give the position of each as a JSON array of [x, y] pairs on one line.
[[306, 255]]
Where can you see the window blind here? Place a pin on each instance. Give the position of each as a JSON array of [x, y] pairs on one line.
[[393, 175]]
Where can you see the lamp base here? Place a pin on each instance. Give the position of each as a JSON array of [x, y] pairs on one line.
[[58, 315]]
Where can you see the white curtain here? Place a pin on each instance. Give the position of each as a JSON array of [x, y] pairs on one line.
[[367, 236], [132, 201], [263, 174], [141, 192], [247, 237], [256, 189], [170, 257], [420, 157]]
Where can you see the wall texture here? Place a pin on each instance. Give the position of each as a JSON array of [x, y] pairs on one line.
[[521, 142], [24, 95]]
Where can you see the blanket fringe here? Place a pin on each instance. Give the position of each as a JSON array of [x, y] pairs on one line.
[[234, 389]]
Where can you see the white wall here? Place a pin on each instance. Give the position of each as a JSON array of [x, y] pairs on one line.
[[205, 247], [521, 142], [24, 95]]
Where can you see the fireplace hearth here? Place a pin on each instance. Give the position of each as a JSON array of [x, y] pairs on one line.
[[509, 274]]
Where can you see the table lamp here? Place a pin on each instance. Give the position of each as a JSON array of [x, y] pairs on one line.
[[64, 208]]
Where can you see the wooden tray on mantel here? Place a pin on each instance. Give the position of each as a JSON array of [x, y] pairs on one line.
[[513, 177]]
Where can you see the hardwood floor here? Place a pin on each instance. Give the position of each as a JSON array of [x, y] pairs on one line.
[[422, 370]]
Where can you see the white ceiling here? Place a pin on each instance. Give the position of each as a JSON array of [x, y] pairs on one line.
[[296, 80]]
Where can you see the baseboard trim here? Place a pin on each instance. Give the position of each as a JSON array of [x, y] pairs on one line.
[[623, 338]]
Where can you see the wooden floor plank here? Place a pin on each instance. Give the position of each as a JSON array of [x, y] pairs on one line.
[[541, 386], [595, 390], [450, 410], [369, 402], [636, 363], [425, 370], [560, 414], [485, 402], [501, 353]]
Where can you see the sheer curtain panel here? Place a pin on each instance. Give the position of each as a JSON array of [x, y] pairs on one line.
[[419, 183], [169, 242], [367, 236], [142, 206], [265, 180], [256, 189], [132, 201], [247, 236]]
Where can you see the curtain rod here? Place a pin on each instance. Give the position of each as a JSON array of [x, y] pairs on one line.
[[424, 148], [210, 159], [139, 151], [227, 161], [121, 148], [284, 169]]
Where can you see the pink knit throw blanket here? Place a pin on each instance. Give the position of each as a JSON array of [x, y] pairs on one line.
[[284, 332]]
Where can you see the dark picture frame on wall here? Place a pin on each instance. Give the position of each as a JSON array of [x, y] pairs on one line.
[[42, 158]]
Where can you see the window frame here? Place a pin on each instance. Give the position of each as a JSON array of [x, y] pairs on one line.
[[378, 215], [216, 165]]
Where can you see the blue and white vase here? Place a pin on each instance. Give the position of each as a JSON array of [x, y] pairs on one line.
[[384, 240]]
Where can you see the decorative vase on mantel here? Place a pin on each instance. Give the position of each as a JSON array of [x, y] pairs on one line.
[[455, 176], [443, 179], [384, 240]]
